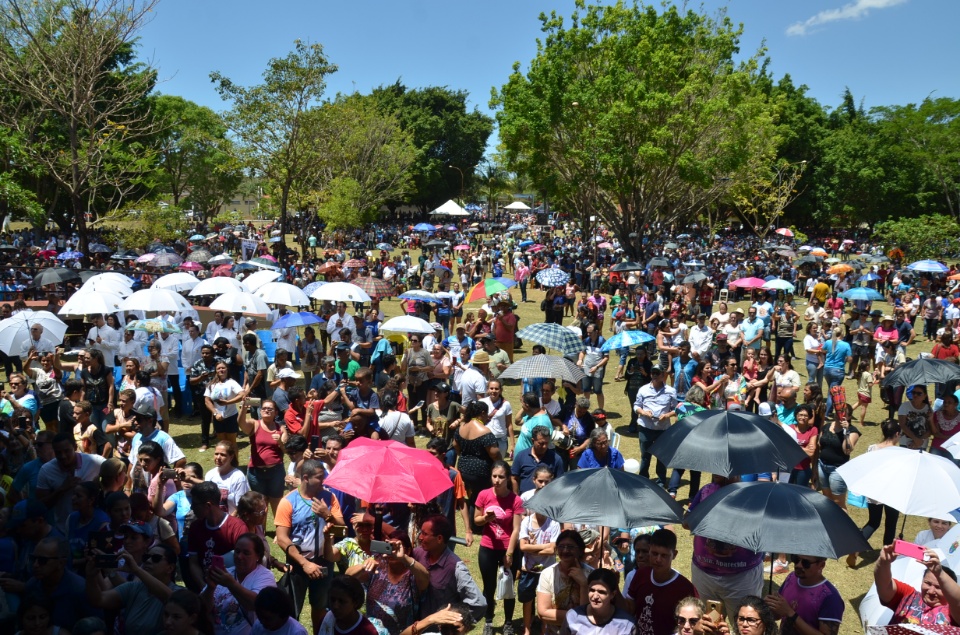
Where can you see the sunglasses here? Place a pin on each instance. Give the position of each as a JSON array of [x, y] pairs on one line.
[[693, 621], [154, 558], [805, 563]]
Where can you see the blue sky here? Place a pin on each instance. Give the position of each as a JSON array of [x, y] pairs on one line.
[[887, 51]]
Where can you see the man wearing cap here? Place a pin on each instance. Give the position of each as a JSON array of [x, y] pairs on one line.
[[499, 360], [58, 478], [281, 395], [656, 403], [147, 430], [431, 340], [53, 580], [456, 341], [472, 383], [720, 352]]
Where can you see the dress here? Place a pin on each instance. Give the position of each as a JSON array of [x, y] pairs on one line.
[[475, 464], [392, 607], [149, 365]]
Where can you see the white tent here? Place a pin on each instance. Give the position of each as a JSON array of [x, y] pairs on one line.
[[517, 205], [449, 209]]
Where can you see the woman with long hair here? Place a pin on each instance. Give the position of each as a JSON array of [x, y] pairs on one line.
[[227, 476], [265, 472], [563, 586], [221, 397], [478, 449], [807, 434]]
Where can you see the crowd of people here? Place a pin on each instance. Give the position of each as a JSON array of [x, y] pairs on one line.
[[108, 527]]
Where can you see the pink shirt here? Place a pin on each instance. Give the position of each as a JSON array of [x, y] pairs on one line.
[[496, 534], [521, 274], [882, 335]]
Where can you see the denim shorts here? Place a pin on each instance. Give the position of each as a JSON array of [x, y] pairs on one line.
[[267, 480], [830, 478]]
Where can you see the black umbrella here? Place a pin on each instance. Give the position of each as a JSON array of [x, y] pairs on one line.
[[55, 275], [923, 371], [728, 443], [602, 496], [98, 248], [694, 278], [779, 518], [658, 262], [436, 243], [627, 266]]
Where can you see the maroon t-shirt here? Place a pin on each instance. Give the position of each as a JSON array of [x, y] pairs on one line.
[[654, 603], [206, 542]]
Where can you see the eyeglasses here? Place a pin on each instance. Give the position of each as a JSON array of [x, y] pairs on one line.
[[154, 558], [262, 512], [749, 621], [693, 621], [806, 564], [14, 384]]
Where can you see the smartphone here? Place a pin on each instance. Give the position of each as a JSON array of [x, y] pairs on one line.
[[216, 562], [419, 404], [106, 560], [715, 611], [338, 531], [381, 547], [314, 442], [910, 550], [169, 473]]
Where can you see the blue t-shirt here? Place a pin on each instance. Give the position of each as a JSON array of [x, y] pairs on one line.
[[182, 502], [26, 478], [588, 460], [79, 535], [837, 354]]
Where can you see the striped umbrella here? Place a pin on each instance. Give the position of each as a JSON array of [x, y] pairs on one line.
[[545, 366], [376, 287], [489, 287], [923, 266], [199, 255], [165, 259], [627, 339], [554, 336], [552, 277], [313, 286]]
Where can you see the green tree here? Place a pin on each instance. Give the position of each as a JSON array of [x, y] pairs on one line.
[[269, 119], [196, 159], [142, 223], [491, 182], [446, 135], [72, 62], [762, 198], [926, 236], [638, 116]]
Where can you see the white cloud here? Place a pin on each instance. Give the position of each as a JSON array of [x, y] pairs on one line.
[[853, 11]]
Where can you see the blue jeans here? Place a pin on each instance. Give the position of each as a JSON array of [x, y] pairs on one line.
[[675, 482], [801, 477], [523, 291], [444, 321], [834, 377], [647, 439], [815, 375]]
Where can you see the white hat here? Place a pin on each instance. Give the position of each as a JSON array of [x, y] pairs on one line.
[[765, 410], [288, 373]]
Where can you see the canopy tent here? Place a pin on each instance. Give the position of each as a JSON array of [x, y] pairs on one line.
[[517, 205], [449, 209]]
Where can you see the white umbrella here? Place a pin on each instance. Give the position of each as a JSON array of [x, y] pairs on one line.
[[778, 284], [407, 324], [912, 482], [177, 281], [341, 292], [283, 294], [106, 285], [217, 286], [112, 275], [240, 302], [257, 279], [222, 259], [85, 302], [159, 300], [14, 331], [517, 205]]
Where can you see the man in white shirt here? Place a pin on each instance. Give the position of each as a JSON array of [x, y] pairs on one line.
[[58, 478], [286, 338], [130, 346], [104, 338], [210, 333], [701, 337], [37, 341], [170, 349], [340, 320], [473, 381]]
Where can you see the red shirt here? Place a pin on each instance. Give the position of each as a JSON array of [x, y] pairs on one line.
[[803, 438], [505, 327], [654, 603], [943, 352], [207, 542]]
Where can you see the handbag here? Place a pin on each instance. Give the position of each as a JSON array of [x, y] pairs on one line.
[[505, 589], [856, 500]]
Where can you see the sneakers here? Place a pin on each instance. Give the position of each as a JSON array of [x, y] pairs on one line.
[[203, 448], [508, 628], [488, 628]]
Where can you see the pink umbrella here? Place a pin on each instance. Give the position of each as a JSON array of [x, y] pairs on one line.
[[783, 231], [604, 246], [462, 248], [748, 283], [848, 242], [535, 248], [191, 266], [47, 254], [268, 257], [150, 257]]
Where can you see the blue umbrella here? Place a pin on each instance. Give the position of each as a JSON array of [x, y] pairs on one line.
[[197, 237], [525, 243], [418, 294], [516, 227], [868, 277], [424, 227], [384, 246], [861, 293], [244, 266], [291, 320], [925, 266], [627, 339], [70, 255], [552, 277], [313, 286]]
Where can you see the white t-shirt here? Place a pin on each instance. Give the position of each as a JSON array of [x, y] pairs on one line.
[[543, 535], [500, 417], [232, 486], [397, 426], [558, 586], [810, 342], [472, 384], [50, 477], [223, 391], [230, 619]]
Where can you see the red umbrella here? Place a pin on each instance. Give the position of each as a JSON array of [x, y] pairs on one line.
[[223, 270], [388, 472], [783, 231], [353, 263], [47, 254]]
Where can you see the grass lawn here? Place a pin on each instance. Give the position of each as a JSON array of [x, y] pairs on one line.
[[852, 583]]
